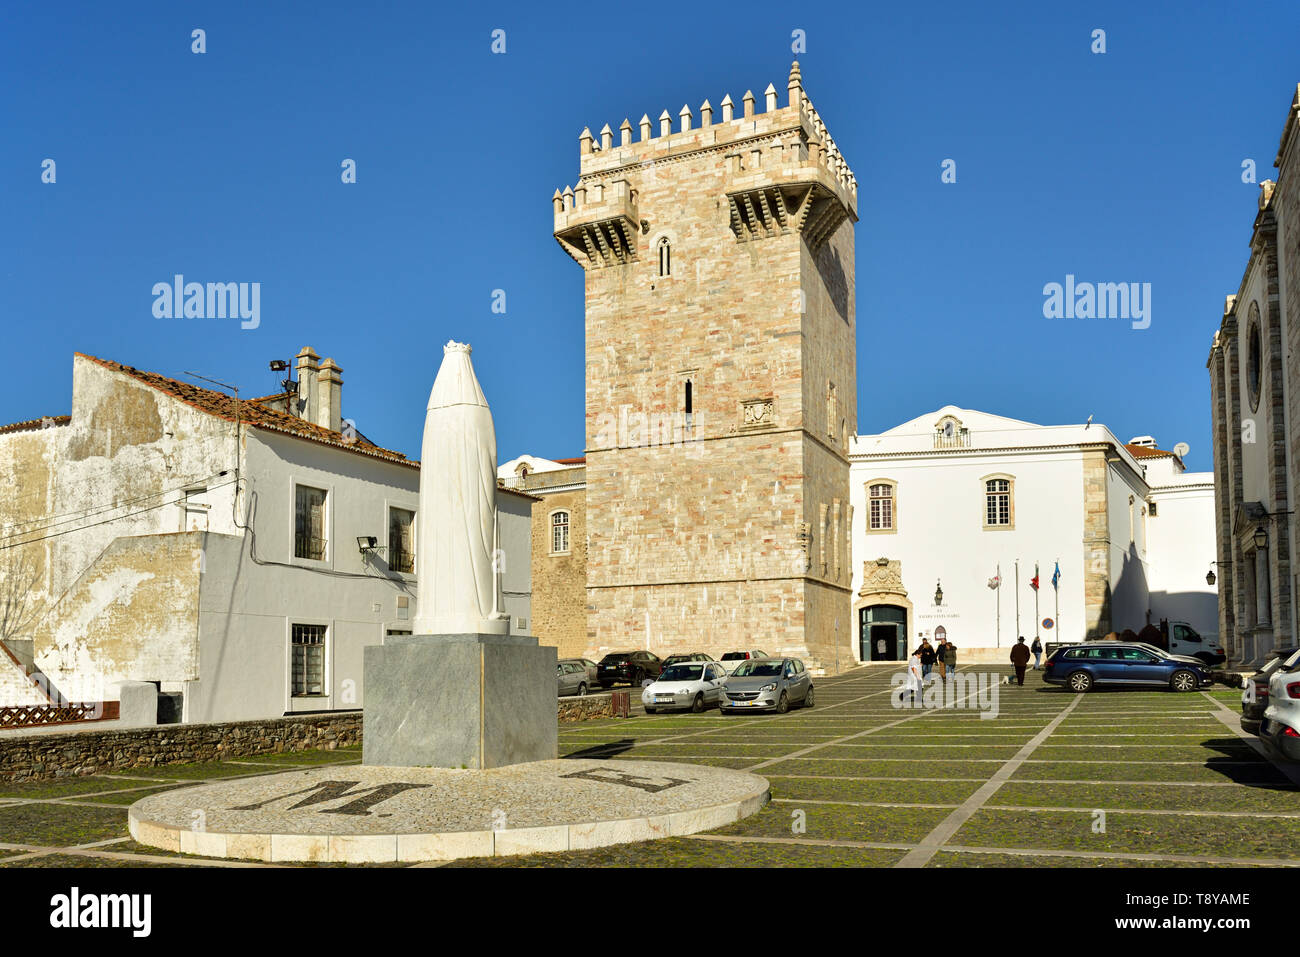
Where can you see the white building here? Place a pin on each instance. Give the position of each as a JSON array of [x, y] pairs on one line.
[[241, 554], [945, 503]]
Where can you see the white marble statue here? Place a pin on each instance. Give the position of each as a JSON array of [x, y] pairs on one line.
[[457, 560]]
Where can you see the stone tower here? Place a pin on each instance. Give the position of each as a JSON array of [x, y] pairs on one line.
[[720, 379]]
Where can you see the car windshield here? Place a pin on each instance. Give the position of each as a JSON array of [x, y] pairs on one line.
[[757, 669], [735, 655], [682, 673], [615, 657], [1153, 649]]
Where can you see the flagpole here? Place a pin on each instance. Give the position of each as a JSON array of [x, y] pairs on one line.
[[1017, 596], [998, 630], [1036, 622], [1057, 588]]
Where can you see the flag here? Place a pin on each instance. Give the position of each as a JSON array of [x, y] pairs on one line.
[[1056, 577], [995, 581], [1033, 582]]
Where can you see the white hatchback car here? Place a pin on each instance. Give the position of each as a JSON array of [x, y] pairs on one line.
[[690, 684], [1281, 724]]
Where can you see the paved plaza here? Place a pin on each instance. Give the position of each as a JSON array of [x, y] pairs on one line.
[[1107, 779]]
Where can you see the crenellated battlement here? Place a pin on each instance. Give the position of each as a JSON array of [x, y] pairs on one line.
[[604, 158]]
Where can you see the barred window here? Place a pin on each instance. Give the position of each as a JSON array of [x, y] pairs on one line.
[[997, 495], [882, 507], [309, 523], [559, 532], [401, 540], [308, 653]]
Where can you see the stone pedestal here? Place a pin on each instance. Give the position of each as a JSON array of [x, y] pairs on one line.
[[459, 701]]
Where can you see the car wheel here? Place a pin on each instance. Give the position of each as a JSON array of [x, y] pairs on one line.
[[1183, 681], [698, 704], [783, 705], [1080, 682], [808, 698], [650, 710], [582, 688]]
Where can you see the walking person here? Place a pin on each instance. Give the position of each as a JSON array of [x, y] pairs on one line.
[[1037, 649], [912, 685], [940, 662], [1019, 659], [926, 653], [950, 657]]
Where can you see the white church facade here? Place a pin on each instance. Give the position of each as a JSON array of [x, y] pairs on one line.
[[955, 511]]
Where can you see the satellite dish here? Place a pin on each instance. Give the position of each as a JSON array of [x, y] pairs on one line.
[[1181, 450]]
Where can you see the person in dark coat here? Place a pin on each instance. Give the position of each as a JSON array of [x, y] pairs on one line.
[[926, 651], [1037, 649], [1020, 658], [950, 657]]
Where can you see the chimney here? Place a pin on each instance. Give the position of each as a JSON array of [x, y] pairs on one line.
[[329, 403], [308, 366]]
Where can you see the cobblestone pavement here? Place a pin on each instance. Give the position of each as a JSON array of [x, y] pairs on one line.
[[1108, 779]]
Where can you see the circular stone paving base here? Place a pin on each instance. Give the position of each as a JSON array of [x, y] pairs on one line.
[[365, 814]]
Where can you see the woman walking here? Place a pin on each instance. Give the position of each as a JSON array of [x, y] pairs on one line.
[[1037, 649]]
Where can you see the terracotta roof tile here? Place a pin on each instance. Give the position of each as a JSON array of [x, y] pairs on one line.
[[32, 425], [252, 412], [1146, 452]]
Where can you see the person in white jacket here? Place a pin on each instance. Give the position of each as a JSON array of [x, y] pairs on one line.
[[914, 670]]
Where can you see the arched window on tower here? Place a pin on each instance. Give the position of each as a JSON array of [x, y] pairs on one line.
[[690, 402], [665, 258]]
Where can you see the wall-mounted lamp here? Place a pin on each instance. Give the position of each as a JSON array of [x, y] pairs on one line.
[[366, 543], [1261, 537], [938, 593]]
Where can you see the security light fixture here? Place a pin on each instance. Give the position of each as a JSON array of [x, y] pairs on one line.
[[278, 365], [366, 543]]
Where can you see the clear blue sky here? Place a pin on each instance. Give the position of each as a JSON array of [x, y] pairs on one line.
[[225, 166]]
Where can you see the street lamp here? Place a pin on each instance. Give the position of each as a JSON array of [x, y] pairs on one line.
[[938, 593], [1261, 537], [1209, 577]]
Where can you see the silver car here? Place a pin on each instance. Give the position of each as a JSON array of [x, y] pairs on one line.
[[590, 666], [570, 678], [767, 684], [688, 684]]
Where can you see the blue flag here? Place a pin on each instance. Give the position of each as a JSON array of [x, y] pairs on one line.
[[1056, 576]]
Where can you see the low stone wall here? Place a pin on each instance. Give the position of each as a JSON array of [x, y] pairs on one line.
[[585, 707], [50, 755]]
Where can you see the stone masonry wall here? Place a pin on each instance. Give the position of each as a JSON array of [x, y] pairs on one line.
[[53, 755], [559, 602]]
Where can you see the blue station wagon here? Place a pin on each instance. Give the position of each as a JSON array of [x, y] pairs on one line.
[[1080, 667]]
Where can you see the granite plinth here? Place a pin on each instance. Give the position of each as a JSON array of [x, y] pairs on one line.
[[459, 701]]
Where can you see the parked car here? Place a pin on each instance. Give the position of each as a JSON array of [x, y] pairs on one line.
[[733, 658], [1255, 693], [1280, 728], [767, 684], [592, 669], [628, 667], [570, 678], [688, 684], [1124, 664], [690, 656]]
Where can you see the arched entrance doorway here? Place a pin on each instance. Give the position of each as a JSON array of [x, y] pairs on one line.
[[884, 613], [882, 633]]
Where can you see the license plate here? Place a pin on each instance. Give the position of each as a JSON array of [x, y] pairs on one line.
[[742, 704], [664, 699]]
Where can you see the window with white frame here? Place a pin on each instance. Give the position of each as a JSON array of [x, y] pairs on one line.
[[881, 507], [559, 533], [997, 503], [401, 540], [665, 257], [307, 647], [309, 523]]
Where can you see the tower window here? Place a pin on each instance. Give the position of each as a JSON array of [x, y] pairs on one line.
[[689, 406], [665, 258]]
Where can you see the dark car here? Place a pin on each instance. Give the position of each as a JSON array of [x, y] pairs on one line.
[[628, 667], [691, 656], [1254, 695], [1111, 663]]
